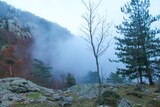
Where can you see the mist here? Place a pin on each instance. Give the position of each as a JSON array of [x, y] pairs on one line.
[[71, 55], [57, 47]]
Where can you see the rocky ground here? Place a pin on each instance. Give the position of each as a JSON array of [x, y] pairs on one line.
[[18, 92]]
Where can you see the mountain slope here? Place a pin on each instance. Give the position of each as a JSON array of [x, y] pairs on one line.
[[31, 22], [26, 37]]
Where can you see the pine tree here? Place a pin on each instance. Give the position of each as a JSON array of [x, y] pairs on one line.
[[1, 42], [116, 78], [91, 77], [138, 47], [70, 80], [41, 73]]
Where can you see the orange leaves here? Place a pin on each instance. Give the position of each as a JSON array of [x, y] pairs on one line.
[[18, 51], [8, 52]]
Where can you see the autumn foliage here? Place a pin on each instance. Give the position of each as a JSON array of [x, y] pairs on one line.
[[16, 61], [14, 55]]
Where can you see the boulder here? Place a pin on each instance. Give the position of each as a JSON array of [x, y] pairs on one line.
[[23, 91], [58, 97], [68, 100], [86, 91], [125, 103], [103, 106], [18, 85]]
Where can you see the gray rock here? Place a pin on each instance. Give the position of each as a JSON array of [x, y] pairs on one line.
[[11, 97], [15, 26], [58, 97], [18, 89], [19, 85], [28, 101], [114, 89], [125, 103], [42, 99], [68, 100], [103, 106], [147, 91], [5, 91], [85, 90], [5, 104], [63, 104]]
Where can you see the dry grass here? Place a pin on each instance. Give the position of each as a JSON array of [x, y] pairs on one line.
[[145, 101]]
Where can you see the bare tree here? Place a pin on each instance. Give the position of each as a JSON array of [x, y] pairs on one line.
[[96, 31]]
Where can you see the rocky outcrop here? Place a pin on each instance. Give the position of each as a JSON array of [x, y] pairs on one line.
[[15, 26], [18, 85], [85, 90], [91, 90], [20, 91], [125, 103]]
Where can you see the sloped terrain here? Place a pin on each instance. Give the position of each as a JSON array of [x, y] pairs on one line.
[[18, 92], [25, 37], [32, 23]]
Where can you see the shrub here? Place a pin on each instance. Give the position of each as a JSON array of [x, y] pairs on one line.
[[110, 98], [153, 103], [70, 80]]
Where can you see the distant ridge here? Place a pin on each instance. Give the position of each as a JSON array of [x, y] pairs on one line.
[[35, 24]]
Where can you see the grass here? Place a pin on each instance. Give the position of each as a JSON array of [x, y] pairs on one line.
[[84, 103], [136, 100], [34, 95], [145, 101], [33, 105]]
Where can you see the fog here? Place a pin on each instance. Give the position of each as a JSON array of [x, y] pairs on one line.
[[74, 56], [71, 55], [57, 47]]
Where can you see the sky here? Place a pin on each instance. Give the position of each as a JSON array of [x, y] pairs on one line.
[[67, 13]]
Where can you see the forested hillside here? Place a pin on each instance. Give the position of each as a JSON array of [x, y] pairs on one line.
[[20, 35]]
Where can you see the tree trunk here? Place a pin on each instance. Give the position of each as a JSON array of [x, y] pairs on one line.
[[98, 71], [140, 75], [137, 74], [10, 70], [99, 78], [149, 76]]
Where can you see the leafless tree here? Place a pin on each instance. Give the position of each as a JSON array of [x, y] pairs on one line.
[[96, 34]]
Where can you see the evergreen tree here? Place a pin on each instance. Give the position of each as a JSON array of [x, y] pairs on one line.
[[1, 42], [41, 73], [70, 80], [91, 77], [116, 78], [1, 46], [156, 67], [139, 46]]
